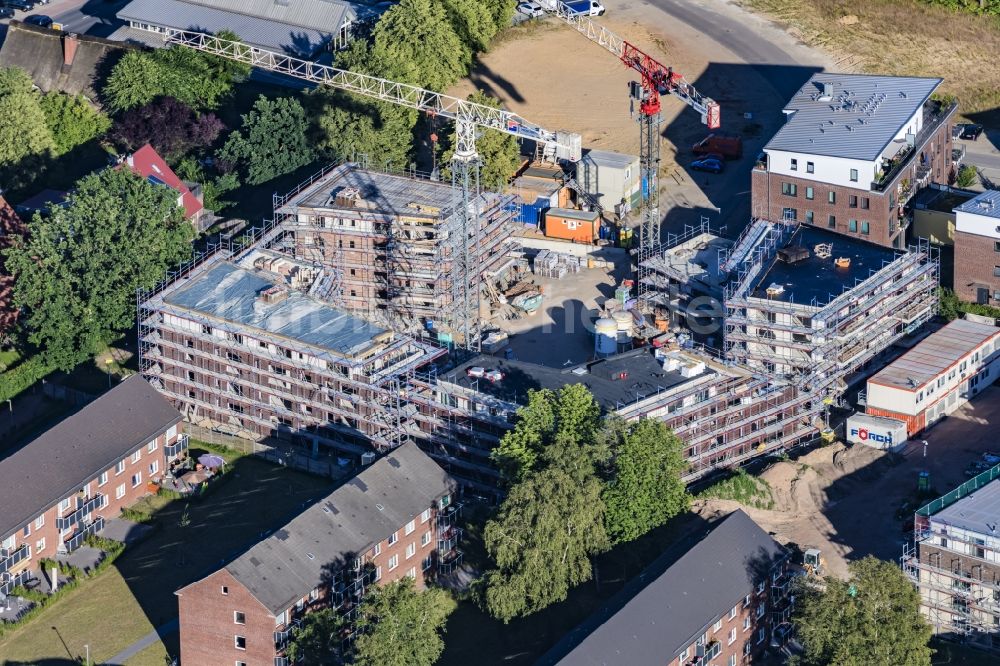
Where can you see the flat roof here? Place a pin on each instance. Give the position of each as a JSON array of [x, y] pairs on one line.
[[645, 377], [934, 355], [608, 158], [985, 203], [816, 280], [230, 293], [940, 199], [976, 513], [332, 533], [665, 608], [55, 464], [573, 214], [382, 193], [874, 107]]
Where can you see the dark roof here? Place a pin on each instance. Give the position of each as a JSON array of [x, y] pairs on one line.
[[645, 376], [820, 279], [394, 490], [650, 623], [56, 463]]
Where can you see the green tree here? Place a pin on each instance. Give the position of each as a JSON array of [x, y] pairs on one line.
[[472, 21], [135, 80], [23, 130], [418, 36], [77, 270], [498, 152], [72, 120], [571, 415], [873, 618], [544, 533], [399, 625], [966, 176], [317, 641], [645, 489], [273, 141]]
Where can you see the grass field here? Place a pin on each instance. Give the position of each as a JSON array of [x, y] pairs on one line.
[[137, 594], [154, 655], [902, 37]]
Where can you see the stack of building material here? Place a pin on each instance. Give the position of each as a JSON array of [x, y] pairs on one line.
[[556, 264]]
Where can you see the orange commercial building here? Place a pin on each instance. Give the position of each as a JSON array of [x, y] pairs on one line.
[[579, 226]]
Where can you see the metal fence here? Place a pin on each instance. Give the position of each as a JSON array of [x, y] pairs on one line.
[[964, 490]]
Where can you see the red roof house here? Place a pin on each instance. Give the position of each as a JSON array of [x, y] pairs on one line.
[[11, 227], [147, 163]]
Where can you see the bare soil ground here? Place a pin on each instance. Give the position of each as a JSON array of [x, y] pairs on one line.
[[902, 37], [843, 500]]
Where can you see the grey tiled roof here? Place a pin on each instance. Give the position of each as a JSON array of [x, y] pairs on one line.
[[663, 611], [298, 27], [875, 108], [394, 490], [986, 204], [56, 463]]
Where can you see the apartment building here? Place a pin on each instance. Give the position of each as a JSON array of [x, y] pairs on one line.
[[977, 249], [394, 519], [242, 350], [716, 604], [937, 376], [397, 244], [853, 152], [70, 480], [955, 563]]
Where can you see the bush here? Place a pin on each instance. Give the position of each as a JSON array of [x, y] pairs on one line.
[[22, 376], [72, 121], [966, 176], [742, 488]]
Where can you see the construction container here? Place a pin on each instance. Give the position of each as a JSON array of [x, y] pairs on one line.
[[579, 226], [605, 337], [876, 431]]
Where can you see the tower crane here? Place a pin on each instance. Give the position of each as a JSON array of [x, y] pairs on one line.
[[467, 116], [655, 79]]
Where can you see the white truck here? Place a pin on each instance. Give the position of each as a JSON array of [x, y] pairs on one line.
[[579, 7]]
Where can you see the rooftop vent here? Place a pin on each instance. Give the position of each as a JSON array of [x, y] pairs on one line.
[[827, 92], [986, 204]]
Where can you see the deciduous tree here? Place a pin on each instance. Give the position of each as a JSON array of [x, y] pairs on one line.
[[77, 270], [273, 140], [418, 36], [72, 120], [645, 489], [23, 130], [317, 642], [401, 626], [873, 618], [169, 125], [547, 529]]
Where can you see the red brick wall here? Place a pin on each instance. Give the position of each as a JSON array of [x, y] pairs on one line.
[[112, 509], [743, 636], [975, 259], [399, 549], [208, 630]]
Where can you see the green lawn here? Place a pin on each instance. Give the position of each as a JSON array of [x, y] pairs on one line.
[[137, 593], [154, 655]]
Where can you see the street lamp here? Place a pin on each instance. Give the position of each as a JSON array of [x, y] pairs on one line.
[[107, 366]]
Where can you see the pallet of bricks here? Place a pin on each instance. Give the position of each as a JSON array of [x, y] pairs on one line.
[[556, 264]]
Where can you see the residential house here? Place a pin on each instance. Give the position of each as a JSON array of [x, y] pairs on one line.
[[70, 480], [394, 519], [852, 153], [977, 249], [147, 163], [715, 605]]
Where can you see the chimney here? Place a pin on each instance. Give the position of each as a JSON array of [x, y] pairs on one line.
[[70, 43], [827, 92]]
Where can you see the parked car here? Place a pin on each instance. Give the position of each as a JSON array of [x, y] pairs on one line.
[[494, 375], [971, 132], [6, 12], [475, 371], [709, 164], [532, 9], [41, 20], [23, 5]]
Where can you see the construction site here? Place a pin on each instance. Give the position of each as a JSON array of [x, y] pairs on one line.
[[396, 282]]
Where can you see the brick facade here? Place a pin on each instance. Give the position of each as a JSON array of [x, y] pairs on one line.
[[881, 209], [977, 264], [117, 489]]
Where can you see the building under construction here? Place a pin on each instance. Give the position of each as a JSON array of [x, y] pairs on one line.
[[395, 247], [244, 350], [955, 562]]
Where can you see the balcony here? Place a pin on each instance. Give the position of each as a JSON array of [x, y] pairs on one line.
[[10, 558], [450, 563], [83, 509], [935, 114], [448, 516], [77, 539], [177, 448], [706, 653], [448, 540]]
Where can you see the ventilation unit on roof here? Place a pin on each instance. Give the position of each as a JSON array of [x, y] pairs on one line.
[[827, 92], [986, 204]]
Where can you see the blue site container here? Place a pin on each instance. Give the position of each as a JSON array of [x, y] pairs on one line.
[[530, 214]]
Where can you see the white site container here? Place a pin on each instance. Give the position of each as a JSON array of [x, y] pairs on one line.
[[876, 431]]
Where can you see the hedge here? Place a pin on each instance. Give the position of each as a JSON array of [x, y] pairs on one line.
[[22, 376]]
